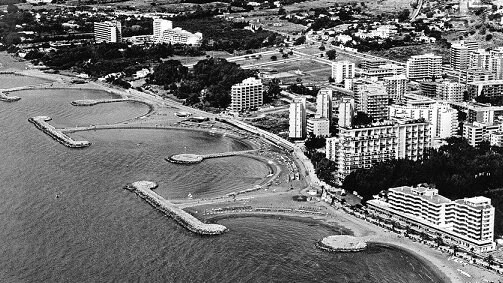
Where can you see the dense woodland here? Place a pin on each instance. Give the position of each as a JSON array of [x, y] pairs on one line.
[[208, 85], [219, 34], [457, 170]]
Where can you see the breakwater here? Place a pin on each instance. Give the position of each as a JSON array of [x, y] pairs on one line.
[[6, 98], [144, 190], [187, 158], [41, 123], [92, 102], [342, 243]]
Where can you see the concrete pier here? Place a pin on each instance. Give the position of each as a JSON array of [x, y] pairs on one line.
[[41, 123], [144, 190], [342, 243], [187, 158], [5, 98]]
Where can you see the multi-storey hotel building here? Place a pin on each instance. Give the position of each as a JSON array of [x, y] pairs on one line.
[[362, 146], [425, 66], [467, 223], [395, 87], [109, 31], [180, 36], [487, 88], [324, 104], [248, 94], [460, 54], [297, 119], [342, 70], [373, 100]]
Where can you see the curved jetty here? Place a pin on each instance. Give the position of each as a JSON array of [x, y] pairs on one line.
[[41, 123], [92, 102], [187, 158], [342, 243], [4, 97], [144, 190]]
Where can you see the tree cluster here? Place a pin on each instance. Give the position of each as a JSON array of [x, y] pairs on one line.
[[208, 85], [224, 35]]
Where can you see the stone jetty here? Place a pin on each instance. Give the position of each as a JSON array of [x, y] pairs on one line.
[[342, 243], [5, 98], [144, 190], [92, 102], [41, 123], [187, 158]]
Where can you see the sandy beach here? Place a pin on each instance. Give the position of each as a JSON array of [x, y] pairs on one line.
[[277, 195]]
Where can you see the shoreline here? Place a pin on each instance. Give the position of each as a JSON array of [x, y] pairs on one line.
[[420, 252], [322, 221]]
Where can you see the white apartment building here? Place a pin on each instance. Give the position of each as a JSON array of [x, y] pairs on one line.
[[297, 118], [324, 104], [460, 54], [246, 95], [443, 119], [362, 146], [346, 112], [373, 100], [477, 132], [109, 31], [342, 70], [381, 71], [425, 66], [497, 63], [480, 112], [450, 91], [395, 87], [480, 59], [180, 36], [486, 88], [159, 26], [467, 223], [496, 138], [319, 127]]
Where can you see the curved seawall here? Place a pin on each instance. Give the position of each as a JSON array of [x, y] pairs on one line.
[[144, 190], [41, 123]]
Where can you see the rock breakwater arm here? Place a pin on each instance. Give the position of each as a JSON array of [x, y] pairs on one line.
[[144, 190], [5, 98], [41, 123], [342, 243]]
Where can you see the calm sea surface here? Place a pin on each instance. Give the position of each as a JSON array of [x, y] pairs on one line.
[[96, 231]]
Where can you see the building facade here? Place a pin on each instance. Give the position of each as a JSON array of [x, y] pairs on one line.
[[450, 91], [467, 223], [180, 36], [489, 89], [159, 26], [427, 66], [319, 127], [460, 54], [297, 119], [346, 112], [362, 146], [395, 87], [372, 99], [248, 94], [109, 31], [476, 132], [342, 70], [324, 104]]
